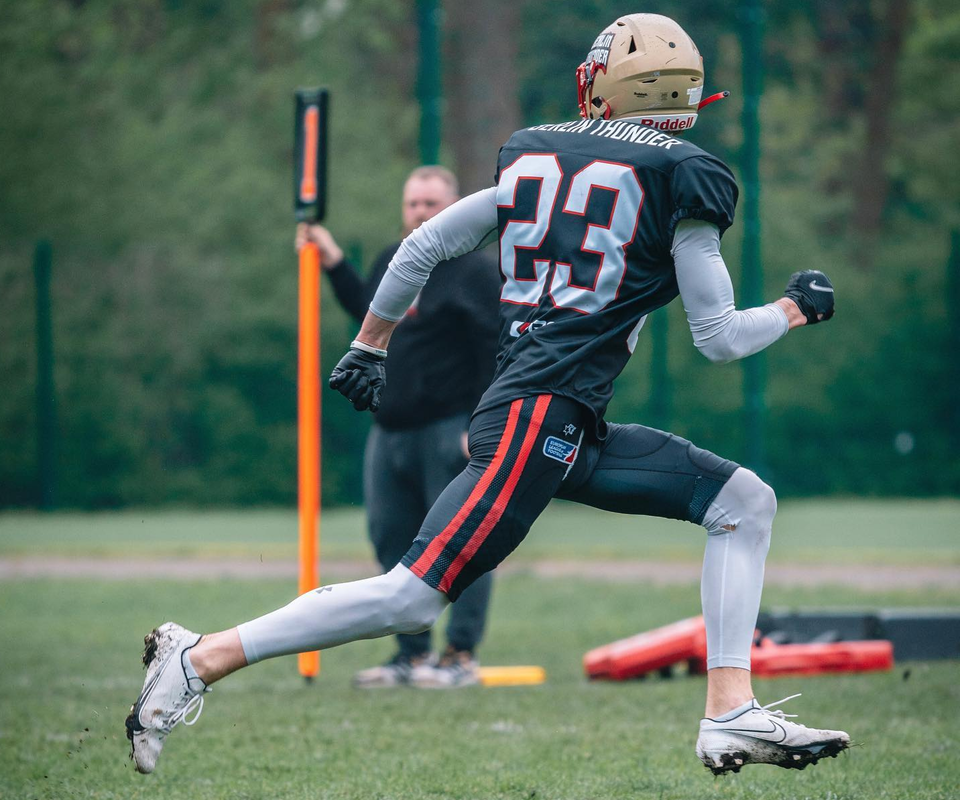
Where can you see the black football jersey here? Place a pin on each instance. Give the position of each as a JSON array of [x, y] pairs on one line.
[[587, 212]]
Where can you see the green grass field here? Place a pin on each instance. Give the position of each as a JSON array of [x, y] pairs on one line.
[[69, 669]]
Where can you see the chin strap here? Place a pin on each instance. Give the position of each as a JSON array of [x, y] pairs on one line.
[[712, 99], [582, 85], [586, 72]]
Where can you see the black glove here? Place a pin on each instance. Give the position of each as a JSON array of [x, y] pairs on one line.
[[360, 377], [812, 291]]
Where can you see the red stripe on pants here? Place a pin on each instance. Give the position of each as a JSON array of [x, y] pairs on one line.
[[500, 504], [423, 564]]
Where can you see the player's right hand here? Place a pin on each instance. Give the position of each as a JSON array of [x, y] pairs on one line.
[[812, 291], [360, 377]]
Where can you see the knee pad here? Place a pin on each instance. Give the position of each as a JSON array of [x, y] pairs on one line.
[[417, 621], [759, 500], [744, 501], [415, 606]]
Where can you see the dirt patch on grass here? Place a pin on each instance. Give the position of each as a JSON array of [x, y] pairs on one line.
[[655, 572]]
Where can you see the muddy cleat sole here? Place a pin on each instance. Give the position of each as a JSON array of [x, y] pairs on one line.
[[788, 758], [759, 735], [167, 697]]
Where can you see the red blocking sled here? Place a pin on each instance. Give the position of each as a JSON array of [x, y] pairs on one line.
[[647, 652], [686, 641], [770, 660]]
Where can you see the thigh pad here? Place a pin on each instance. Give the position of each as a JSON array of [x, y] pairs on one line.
[[640, 470]]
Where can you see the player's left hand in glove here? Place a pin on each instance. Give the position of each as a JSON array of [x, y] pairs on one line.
[[360, 377], [812, 291]]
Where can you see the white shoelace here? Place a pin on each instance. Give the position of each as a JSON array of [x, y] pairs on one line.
[[195, 702], [778, 712]]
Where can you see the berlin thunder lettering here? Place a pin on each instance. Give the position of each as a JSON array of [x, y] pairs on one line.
[[600, 52], [625, 130]]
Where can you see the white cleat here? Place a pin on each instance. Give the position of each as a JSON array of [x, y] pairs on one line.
[[761, 736], [168, 696]]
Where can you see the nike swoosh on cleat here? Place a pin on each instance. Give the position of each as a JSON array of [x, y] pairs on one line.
[[765, 735], [135, 711], [817, 288]]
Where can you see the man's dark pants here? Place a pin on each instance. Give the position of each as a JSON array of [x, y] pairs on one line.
[[404, 473]]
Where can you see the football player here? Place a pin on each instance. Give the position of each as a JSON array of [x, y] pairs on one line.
[[600, 221]]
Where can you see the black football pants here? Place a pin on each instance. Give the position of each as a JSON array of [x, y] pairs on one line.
[[404, 473], [526, 452]]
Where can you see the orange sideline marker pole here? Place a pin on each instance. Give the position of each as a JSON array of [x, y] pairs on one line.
[[309, 204], [308, 431]]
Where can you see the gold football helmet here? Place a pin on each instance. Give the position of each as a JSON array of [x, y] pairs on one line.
[[643, 65]]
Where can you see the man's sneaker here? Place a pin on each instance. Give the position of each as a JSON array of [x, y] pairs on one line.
[[396, 672], [456, 668], [168, 695], [761, 736]]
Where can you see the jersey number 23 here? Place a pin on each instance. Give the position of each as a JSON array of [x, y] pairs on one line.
[[598, 263]]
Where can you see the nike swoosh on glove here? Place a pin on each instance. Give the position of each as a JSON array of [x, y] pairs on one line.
[[812, 291], [360, 377]]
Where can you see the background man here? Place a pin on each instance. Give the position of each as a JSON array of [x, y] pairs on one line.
[[441, 360]]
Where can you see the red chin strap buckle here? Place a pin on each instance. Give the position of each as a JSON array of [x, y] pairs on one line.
[[712, 99], [584, 82]]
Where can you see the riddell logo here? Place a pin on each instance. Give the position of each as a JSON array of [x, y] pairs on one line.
[[670, 123]]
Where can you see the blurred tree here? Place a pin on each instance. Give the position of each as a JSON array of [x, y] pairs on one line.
[[870, 180], [859, 45], [482, 98]]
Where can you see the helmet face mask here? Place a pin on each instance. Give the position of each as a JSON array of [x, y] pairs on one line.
[[646, 66]]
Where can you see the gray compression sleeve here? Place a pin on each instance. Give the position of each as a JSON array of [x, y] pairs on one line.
[[466, 225], [719, 331], [739, 522], [398, 602]]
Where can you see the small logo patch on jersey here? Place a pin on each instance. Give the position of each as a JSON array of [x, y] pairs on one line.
[[518, 328], [559, 450]]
